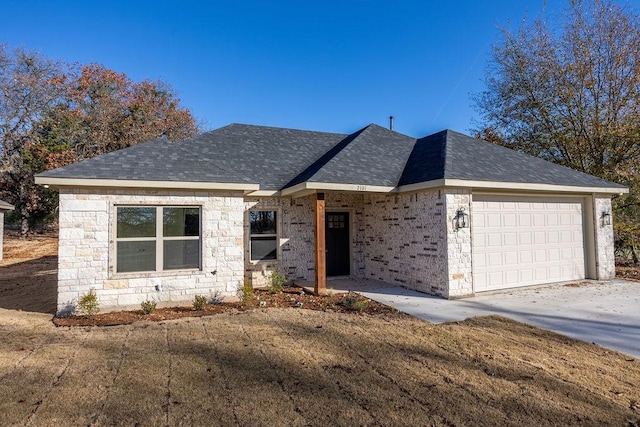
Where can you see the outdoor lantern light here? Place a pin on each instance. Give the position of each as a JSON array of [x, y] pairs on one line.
[[605, 219], [461, 220]]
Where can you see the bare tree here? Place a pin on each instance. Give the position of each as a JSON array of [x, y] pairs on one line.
[[30, 85], [52, 114]]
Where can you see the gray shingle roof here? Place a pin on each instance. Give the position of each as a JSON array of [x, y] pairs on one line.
[[4, 206], [277, 158], [452, 155], [371, 156], [265, 155], [156, 160]]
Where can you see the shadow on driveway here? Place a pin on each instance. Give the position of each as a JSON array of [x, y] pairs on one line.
[[604, 313]]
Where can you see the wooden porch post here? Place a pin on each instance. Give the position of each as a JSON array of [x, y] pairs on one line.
[[321, 264]]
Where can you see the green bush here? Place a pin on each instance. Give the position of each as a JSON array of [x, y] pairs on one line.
[[148, 307], [353, 302], [277, 282], [88, 303], [245, 292], [199, 302]]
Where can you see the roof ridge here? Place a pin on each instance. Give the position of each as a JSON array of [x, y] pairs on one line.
[[280, 128], [314, 167]]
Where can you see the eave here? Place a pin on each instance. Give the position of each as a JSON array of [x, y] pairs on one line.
[[509, 186], [132, 183]]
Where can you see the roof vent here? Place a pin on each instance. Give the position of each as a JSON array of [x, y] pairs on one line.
[[391, 122]]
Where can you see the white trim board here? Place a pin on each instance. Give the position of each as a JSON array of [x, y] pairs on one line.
[[130, 183]]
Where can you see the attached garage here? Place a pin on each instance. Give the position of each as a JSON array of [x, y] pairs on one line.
[[524, 240]]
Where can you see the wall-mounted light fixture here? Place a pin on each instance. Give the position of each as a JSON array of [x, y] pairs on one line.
[[461, 220], [605, 218]]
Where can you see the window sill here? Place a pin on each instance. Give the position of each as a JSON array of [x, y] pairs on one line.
[[264, 262], [152, 274]]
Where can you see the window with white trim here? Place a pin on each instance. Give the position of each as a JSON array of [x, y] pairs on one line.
[[157, 238], [263, 235]]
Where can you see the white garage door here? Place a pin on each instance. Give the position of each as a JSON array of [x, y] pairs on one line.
[[521, 241]]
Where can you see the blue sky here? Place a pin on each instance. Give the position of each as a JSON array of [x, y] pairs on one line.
[[322, 65]]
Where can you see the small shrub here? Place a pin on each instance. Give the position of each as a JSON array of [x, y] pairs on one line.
[[245, 292], [148, 307], [216, 298], [354, 303], [199, 302], [88, 303], [330, 292], [277, 282]]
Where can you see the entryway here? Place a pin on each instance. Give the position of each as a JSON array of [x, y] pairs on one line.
[[337, 238]]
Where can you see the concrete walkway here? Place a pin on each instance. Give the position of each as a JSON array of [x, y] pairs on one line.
[[604, 313]]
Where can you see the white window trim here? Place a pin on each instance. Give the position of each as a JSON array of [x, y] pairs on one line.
[[159, 239], [278, 257]]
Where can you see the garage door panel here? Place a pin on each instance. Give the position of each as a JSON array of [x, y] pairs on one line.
[[521, 241], [495, 277], [526, 257], [524, 238], [511, 258], [493, 240], [538, 220], [539, 255], [511, 278], [524, 220], [567, 254], [565, 219], [493, 221], [494, 259]]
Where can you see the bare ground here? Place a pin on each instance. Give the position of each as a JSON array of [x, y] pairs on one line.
[[29, 273], [299, 367]]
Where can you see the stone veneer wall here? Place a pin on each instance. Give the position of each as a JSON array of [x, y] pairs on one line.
[[605, 256], [406, 240], [295, 229], [296, 232], [459, 274], [86, 246]]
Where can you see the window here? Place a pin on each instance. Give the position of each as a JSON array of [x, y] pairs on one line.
[[153, 238], [263, 235]]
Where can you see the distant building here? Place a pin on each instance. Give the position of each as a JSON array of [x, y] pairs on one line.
[[4, 206]]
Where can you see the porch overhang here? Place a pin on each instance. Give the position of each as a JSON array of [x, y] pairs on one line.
[[305, 188]]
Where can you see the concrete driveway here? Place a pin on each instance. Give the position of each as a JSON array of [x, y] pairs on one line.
[[604, 313]]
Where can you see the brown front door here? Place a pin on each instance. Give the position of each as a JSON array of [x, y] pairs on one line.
[[337, 243]]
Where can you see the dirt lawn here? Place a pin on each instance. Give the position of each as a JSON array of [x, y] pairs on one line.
[[298, 367]]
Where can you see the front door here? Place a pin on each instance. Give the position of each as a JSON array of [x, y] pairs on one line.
[[337, 243]]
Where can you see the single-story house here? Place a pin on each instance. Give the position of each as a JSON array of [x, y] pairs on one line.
[[446, 214], [4, 206]]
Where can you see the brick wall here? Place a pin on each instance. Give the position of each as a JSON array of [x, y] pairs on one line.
[[296, 231], [406, 240], [86, 246], [295, 228]]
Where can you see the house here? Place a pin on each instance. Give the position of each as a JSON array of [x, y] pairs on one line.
[[4, 206], [446, 214]]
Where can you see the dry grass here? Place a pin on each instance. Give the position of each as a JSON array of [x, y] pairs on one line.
[[301, 367], [28, 273]]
